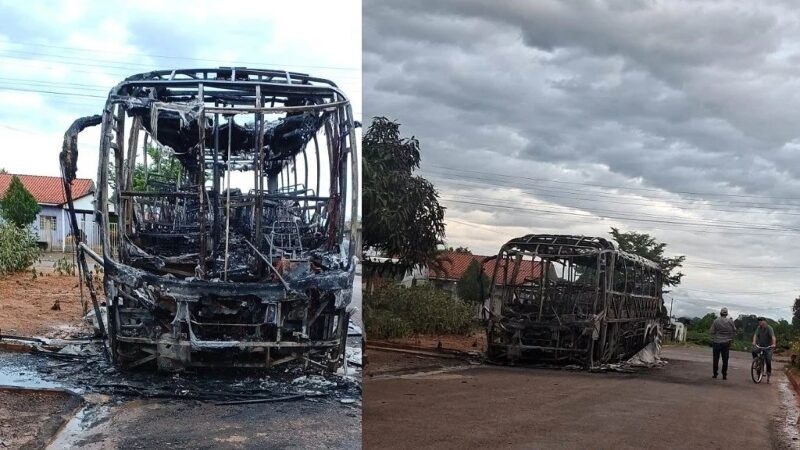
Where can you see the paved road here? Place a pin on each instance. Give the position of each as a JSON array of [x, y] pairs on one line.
[[676, 406], [149, 424]]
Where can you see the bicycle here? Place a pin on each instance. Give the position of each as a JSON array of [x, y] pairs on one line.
[[759, 365]]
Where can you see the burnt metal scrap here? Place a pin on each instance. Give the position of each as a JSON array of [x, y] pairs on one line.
[[202, 273], [583, 302]]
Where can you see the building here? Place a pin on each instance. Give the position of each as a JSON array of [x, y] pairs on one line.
[[378, 270], [451, 266], [51, 224]]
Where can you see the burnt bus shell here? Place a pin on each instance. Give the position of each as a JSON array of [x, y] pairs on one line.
[[199, 273], [560, 299]]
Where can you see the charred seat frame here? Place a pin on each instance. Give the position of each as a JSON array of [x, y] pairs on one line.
[[582, 301], [203, 274]]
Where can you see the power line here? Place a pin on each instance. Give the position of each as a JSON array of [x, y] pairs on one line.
[[580, 206], [738, 292], [603, 214], [694, 300], [606, 194], [611, 186], [175, 57], [118, 68], [5, 88], [683, 204]]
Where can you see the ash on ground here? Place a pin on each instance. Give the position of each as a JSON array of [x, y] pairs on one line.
[[81, 366]]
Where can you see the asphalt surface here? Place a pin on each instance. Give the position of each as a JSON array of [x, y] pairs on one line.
[[675, 406], [150, 424]]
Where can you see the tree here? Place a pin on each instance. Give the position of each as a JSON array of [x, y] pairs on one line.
[[402, 215], [796, 314], [746, 324], [460, 250], [646, 246], [158, 167], [704, 324], [18, 205], [473, 284]]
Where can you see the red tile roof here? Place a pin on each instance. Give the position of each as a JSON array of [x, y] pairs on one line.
[[454, 264], [48, 190]]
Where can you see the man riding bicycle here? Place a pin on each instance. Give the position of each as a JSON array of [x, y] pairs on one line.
[[764, 337]]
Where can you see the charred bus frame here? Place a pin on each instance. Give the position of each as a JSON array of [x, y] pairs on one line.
[[206, 274], [584, 301]]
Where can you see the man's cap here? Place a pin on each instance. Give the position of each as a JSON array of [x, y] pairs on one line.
[[723, 311], [762, 318]]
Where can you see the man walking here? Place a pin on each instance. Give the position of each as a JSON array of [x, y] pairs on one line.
[[722, 332], [764, 337]]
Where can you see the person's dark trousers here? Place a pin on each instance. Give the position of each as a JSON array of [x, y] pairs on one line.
[[767, 357], [721, 349]]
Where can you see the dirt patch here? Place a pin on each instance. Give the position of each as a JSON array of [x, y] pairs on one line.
[[30, 418], [25, 305], [474, 342], [396, 363]]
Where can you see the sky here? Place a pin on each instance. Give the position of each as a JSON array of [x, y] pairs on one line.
[[58, 60], [677, 119]]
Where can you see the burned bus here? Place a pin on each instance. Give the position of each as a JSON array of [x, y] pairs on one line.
[[227, 204], [571, 300]]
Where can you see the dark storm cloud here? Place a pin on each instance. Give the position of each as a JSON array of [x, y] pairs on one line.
[[678, 96]]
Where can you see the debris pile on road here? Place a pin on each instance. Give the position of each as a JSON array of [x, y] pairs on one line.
[[81, 367]]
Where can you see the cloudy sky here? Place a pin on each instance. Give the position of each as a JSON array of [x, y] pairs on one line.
[[674, 118], [58, 60]]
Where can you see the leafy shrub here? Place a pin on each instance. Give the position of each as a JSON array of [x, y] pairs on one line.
[[64, 267], [394, 312], [794, 353], [18, 249], [698, 337]]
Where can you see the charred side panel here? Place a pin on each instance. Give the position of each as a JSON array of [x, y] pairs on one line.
[[257, 271], [571, 299]]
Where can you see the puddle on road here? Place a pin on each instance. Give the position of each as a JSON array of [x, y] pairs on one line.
[[790, 414], [94, 377], [79, 432], [14, 373]]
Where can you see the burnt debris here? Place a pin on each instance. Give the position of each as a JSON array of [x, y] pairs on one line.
[[242, 256], [572, 300]]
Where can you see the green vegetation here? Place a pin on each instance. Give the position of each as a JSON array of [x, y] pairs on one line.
[[646, 246], [158, 167], [18, 249], [18, 206], [402, 215], [472, 288], [64, 266], [394, 312], [697, 331]]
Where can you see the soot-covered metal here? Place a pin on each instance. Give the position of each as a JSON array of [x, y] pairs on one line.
[[206, 271], [572, 299]]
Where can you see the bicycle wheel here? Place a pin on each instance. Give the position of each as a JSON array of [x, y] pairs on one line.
[[755, 370]]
